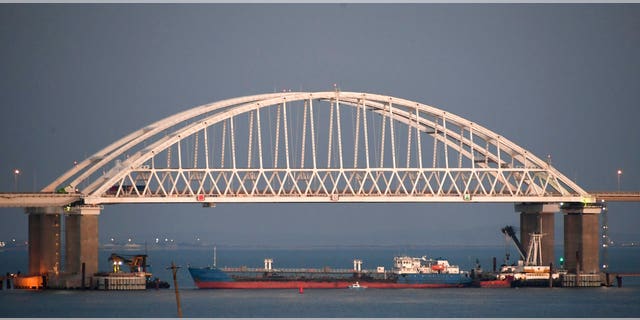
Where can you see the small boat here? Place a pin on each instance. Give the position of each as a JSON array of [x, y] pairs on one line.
[[356, 286]]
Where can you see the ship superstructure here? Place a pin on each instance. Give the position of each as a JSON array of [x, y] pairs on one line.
[[412, 265]]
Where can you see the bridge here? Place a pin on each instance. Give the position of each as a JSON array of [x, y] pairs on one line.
[[307, 147], [619, 196]]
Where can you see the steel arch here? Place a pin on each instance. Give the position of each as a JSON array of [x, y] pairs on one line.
[[490, 167]]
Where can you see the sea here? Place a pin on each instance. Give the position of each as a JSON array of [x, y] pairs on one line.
[[599, 302]]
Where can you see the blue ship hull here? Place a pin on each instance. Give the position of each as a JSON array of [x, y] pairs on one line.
[[216, 278]]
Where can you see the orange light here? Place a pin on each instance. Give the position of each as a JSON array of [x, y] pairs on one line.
[[27, 282]]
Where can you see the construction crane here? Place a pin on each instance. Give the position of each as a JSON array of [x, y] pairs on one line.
[[510, 232], [136, 263]]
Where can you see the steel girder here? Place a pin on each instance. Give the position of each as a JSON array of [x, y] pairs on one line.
[[338, 146]]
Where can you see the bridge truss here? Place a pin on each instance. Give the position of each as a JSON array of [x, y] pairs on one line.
[[315, 147]]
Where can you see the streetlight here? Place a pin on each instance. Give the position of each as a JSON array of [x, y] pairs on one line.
[[16, 173], [619, 175]]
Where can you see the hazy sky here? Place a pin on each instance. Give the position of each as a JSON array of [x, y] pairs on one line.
[[561, 79]]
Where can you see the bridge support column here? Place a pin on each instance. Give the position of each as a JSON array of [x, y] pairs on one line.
[[581, 238], [44, 240], [538, 218], [82, 242]]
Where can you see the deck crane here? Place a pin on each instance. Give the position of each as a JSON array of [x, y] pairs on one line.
[[138, 266], [136, 263], [511, 233]]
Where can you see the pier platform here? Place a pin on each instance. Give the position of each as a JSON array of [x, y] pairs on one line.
[[582, 280], [611, 279], [119, 281]]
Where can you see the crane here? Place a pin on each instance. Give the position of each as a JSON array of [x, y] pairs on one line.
[[510, 232]]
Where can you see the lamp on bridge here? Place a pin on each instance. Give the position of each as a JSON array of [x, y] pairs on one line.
[[619, 175], [16, 173]]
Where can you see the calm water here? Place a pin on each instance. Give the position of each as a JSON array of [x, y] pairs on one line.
[[459, 302]]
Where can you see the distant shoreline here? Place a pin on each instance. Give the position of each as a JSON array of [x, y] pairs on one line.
[[180, 246], [206, 246]]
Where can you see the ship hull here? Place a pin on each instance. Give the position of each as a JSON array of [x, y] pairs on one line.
[[505, 283], [315, 285], [214, 278]]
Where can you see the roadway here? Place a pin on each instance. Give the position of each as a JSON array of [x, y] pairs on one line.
[[616, 196], [46, 199], [37, 199]]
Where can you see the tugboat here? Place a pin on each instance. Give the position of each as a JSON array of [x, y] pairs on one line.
[[488, 279]]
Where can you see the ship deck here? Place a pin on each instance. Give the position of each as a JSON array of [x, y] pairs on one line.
[[300, 270]]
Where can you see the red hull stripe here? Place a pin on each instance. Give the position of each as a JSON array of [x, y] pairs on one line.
[[495, 284], [313, 285]]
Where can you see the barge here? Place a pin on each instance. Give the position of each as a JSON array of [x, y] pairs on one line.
[[138, 277]]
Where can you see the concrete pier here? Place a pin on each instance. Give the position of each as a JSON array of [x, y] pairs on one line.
[[581, 238], [82, 242], [44, 240], [538, 218]]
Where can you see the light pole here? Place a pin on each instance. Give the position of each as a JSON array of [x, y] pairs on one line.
[[619, 175], [16, 173]]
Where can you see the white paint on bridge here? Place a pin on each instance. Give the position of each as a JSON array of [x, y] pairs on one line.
[[312, 147]]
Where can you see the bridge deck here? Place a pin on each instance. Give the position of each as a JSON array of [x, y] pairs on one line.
[[45, 199], [617, 196], [37, 199]]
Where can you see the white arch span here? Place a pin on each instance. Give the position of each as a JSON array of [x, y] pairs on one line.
[[338, 146]]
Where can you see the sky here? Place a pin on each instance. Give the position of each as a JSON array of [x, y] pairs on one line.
[[557, 79]]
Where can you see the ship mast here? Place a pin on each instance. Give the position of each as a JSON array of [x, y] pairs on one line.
[[534, 254], [215, 257]]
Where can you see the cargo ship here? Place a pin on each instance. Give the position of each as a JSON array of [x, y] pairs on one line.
[[407, 272]]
